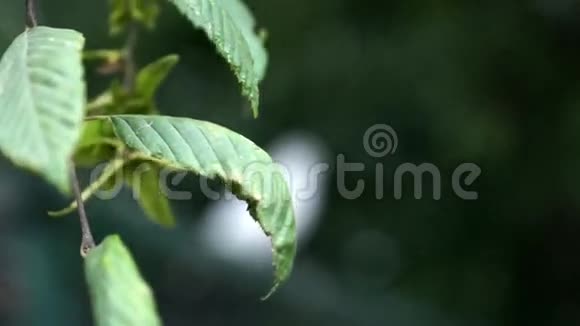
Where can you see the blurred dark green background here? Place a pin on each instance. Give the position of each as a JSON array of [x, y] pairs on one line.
[[496, 83]]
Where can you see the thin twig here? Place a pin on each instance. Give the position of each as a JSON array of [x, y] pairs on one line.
[[87, 240], [30, 13], [129, 57]]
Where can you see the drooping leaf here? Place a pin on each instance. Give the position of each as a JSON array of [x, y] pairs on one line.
[[230, 26], [215, 152], [125, 12], [42, 101], [119, 295], [256, 38], [151, 76]]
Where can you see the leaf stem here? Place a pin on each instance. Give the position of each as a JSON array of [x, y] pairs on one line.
[[109, 171], [87, 240], [30, 13]]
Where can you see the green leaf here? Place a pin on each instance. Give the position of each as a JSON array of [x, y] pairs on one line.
[[151, 76], [215, 152], [119, 295], [144, 178], [100, 102], [230, 26], [127, 102], [141, 100], [107, 55], [42, 101], [97, 144], [125, 12]]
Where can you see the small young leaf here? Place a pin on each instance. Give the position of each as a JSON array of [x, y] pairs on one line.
[[230, 26], [119, 294], [100, 102], [42, 101], [127, 102], [144, 178], [97, 144], [118, 100], [151, 76], [125, 12], [215, 152], [107, 55]]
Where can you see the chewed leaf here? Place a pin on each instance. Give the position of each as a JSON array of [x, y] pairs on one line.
[[42, 101], [230, 26], [215, 152], [119, 294]]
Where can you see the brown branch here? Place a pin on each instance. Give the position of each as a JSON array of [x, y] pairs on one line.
[[30, 6], [87, 240]]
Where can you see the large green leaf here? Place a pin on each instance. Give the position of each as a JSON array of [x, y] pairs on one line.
[[42, 100], [215, 152], [230, 26], [119, 295]]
